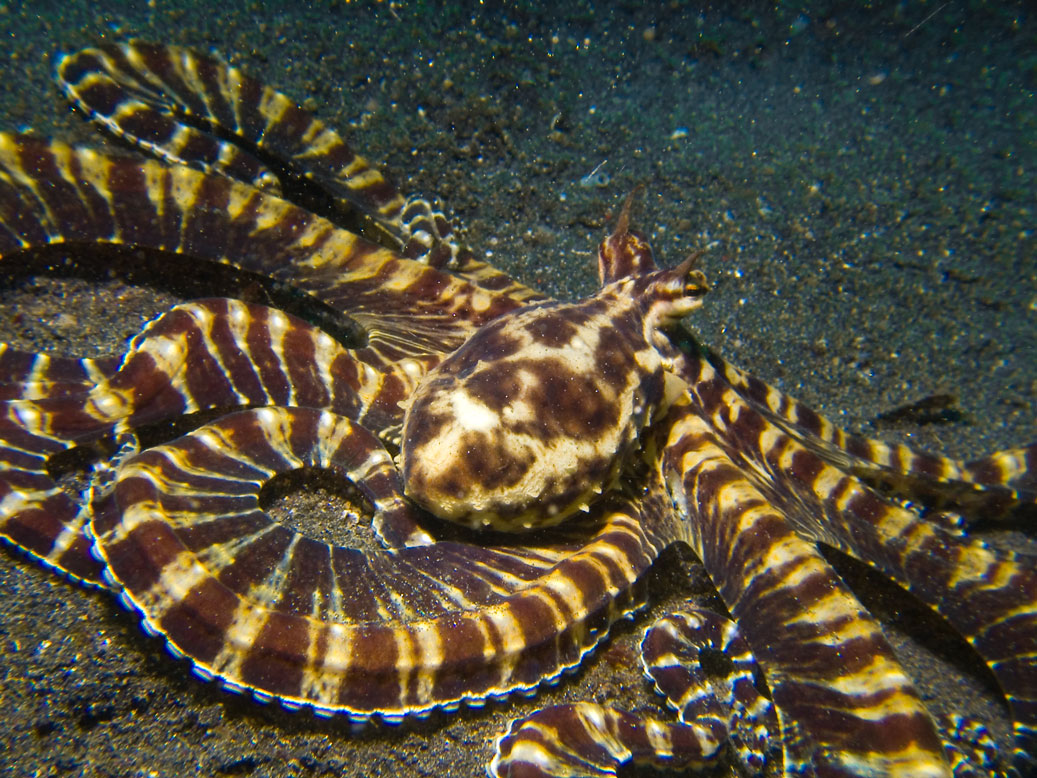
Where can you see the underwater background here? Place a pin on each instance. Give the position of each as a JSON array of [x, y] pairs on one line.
[[863, 175]]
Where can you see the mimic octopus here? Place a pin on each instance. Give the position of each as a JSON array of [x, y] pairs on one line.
[[521, 462]]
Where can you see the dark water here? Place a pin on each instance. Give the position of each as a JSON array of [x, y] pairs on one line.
[[864, 178]]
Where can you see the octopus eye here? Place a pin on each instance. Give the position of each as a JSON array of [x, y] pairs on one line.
[[695, 285]]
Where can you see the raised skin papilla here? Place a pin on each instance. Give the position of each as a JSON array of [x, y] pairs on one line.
[[531, 418]]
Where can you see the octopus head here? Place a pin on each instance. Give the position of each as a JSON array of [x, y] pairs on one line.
[[533, 416]]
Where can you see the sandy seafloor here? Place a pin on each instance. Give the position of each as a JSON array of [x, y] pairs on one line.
[[862, 173]]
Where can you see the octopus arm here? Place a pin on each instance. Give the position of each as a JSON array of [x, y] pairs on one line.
[[1000, 485], [386, 632], [820, 649], [52, 194], [198, 111], [987, 595], [209, 354]]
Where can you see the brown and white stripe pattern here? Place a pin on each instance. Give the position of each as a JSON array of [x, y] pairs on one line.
[[162, 98], [743, 483], [992, 487], [988, 596], [588, 739], [209, 354], [672, 652], [819, 648], [751, 479], [266, 610], [36, 514], [52, 194], [152, 94]]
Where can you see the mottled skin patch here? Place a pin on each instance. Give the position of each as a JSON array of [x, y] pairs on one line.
[[530, 419]]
